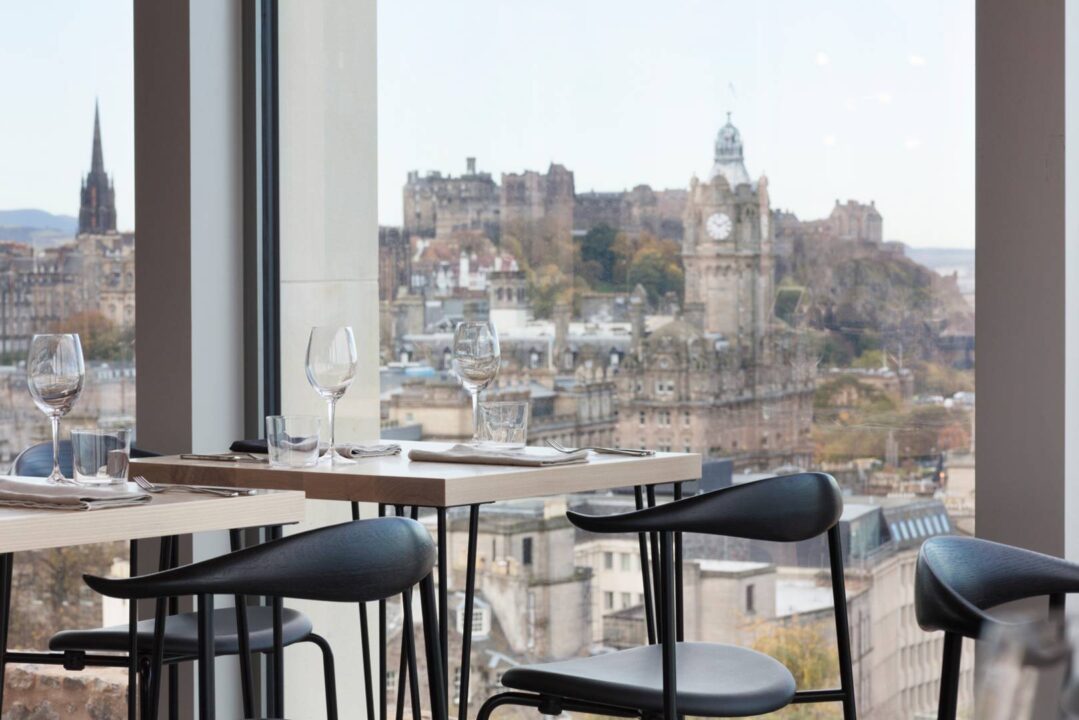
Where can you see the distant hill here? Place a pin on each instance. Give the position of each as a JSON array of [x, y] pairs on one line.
[[36, 227], [39, 220]]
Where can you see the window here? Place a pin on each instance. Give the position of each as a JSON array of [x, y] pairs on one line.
[[608, 561], [626, 560], [660, 239], [608, 600], [526, 551], [627, 600], [67, 258]]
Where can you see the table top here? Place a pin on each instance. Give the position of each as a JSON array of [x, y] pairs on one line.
[[396, 480], [166, 514]]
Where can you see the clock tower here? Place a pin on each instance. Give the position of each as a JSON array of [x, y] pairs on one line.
[[727, 247]]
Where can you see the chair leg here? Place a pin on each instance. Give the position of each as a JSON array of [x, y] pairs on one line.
[[6, 565], [206, 657], [507, 698], [949, 677], [432, 643], [842, 626], [329, 674]]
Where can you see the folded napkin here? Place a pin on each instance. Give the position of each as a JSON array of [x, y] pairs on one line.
[[349, 450], [39, 495], [525, 457]]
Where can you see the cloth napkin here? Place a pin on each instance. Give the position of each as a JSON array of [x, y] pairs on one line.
[[25, 493], [349, 450], [524, 457]]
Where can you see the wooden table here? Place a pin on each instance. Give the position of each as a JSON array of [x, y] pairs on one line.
[[167, 514], [397, 482]]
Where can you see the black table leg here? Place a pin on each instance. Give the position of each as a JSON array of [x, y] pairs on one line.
[[277, 659], [381, 644], [470, 596], [133, 645], [247, 681], [365, 643], [174, 669], [679, 601], [6, 565], [646, 579], [443, 599], [657, 575]]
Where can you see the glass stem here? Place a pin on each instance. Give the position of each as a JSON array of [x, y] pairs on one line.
[[56, 474], [475, 416], [333, 415]]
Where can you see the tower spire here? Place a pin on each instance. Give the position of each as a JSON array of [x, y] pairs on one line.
[[97, 159], [97, 207]]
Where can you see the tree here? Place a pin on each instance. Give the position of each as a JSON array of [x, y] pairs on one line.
[[808, 651], [101, 339], [598, 255], [657, 266]]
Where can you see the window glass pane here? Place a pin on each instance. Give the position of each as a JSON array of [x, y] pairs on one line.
[[67, 264], [743, 228]]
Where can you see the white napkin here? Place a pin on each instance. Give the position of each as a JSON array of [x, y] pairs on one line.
[[39, 495], [524, 457], [354, 450]]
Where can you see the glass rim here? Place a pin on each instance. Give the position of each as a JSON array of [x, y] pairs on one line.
[[294, 417], [505, 403]]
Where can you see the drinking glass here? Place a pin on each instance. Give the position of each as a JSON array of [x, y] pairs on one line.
[[504, 424], [292, 440], [54, 374], [476, 358], [331, 368], [100, 456]]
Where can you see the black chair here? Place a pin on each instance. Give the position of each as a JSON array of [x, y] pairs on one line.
[[82, 647], [673, 678], [959, 578], [36, 460], [355, 562]]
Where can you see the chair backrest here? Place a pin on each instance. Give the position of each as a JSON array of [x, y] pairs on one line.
[[959, 578], [353, 562], [787, 508], [36, 460]]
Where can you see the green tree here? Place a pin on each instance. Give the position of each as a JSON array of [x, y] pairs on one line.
[[806, 649], [598, 255]]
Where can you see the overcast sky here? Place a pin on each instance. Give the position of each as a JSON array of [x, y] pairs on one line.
[[837, 99]]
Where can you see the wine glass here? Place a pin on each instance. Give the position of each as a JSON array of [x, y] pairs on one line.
[[54, 374], [331, 368], [476, 358]]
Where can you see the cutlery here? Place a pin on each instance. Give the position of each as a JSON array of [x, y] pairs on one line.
[[602, 450], [226, 457], [204, 489]]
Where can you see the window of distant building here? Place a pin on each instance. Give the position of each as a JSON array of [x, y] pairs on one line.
[[750, 600], [626, 599], [640, 417], [685, 418], [608, 561], [626, 561], [526, 551], [608, 600]]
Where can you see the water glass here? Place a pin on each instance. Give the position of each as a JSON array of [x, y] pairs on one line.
[[293, 440], [100, 456], [503, 424]]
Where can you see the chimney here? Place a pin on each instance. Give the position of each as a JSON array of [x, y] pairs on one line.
[[471, 163]]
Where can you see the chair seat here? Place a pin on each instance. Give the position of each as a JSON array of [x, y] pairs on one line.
[[713, 680], [182, 634]]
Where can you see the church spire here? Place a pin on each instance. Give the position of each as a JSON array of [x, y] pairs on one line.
[[97, 208], [97, 160]]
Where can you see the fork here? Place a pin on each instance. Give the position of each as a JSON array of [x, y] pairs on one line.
[[602, 450], [218, 491]]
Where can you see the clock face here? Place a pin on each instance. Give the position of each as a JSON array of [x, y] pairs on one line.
[[718, 226]]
